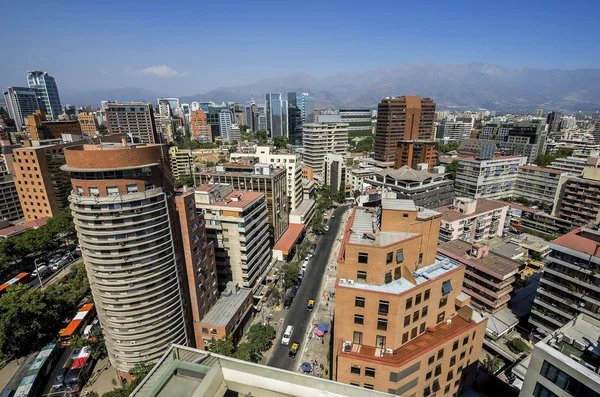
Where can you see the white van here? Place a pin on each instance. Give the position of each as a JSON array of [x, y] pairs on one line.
[[287, 335]]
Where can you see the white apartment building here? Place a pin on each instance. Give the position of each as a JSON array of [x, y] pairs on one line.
[[236, 221], [356, 176], [322, 138], [457, 130], [537, 183], [565, 363], [491, 179]]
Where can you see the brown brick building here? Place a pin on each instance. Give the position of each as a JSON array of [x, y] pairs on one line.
[[402, 324], [87, 122], [402, 118], [411, 153], [42, 187], [39, 128], [200, 127]]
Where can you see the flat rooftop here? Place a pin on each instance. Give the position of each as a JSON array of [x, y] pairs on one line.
[[228, 304], [582, 239], [183, 372], [491, 263], [365, 232], [450, 213]]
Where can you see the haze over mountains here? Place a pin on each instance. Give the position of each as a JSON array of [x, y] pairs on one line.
[[469, 86]]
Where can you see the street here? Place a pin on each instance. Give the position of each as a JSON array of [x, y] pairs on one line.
[[311, 286]]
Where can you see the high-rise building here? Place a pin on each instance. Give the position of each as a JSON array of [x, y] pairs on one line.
[[20, 102], [305, 103], [578, 196], [457, 130], [47, 92], [164, 108], [322, 138], [87, 121], [359, 122], [10, 206], [200, 128], [251, 113], [553, 121], [493, 178], [569, 284], [123, 206], [402, 325], [42, 186], [235, 134], [242, 253], [182, 162], [136, 119], [539, 112], [596, 132], [399, 119], [294, 125], [173, 108], [262, 118], [225, 122], [520, 139], [537, 183], [213, 115], [335, 172], [39, 128], [277, 119], [413, 153]]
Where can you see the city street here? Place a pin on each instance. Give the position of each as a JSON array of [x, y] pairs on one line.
[[311, 288]]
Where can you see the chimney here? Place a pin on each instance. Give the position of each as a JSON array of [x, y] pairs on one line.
[[123, 141]]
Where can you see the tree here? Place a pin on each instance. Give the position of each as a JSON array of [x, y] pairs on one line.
[[280, 142], [543, 160], [221, 161], [517, 346], [186, 180], [95, 343], [102, 130], [93, 394], [452, 168], [247, 352], [445, 148], [274, 292], [139, 372], [340, 196], [191, 143], [290, 274], [243, 128], [261, 336], [492, 364], [364, 145], [223, 346]]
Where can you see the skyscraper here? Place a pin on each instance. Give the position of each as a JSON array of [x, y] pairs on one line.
[[124, 211], [322, 138], [135, 119], [225, 121], [200, 127], [277, 120], [402, 118], [20, 102], [164, 108], [47, 92], [305, 103]]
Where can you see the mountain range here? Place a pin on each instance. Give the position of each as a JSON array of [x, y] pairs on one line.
[[462, 86]]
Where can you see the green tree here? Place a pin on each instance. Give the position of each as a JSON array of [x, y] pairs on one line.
[[317, 219], [340, 196], [191, 143], [518, 346], [543, 160], [452, 168], [492, 364], [445, 148], [186, 180], [243, 128], [274, 292], [290, 274], [139, 372], [221, 161], [223, 346], [93, 394], [96, 344], [364, 145], [280, 142], [261, 336], [102, 130], [247, 352]]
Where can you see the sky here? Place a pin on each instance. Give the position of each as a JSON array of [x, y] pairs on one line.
[[182, 48]]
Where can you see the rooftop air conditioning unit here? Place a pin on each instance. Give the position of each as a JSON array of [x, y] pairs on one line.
[[389, 351], [577, 359], [590, 366], [350, 282], [342, 281], [567, 339], [137, 211], [579, 345]]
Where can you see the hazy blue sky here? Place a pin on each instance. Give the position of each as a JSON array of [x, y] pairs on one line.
[[182, 48]]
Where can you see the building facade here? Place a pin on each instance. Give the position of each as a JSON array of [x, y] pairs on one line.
[[321, 138], [10, 205], [472, 220], [527, 139], [135, 119], [402, 324], [276, 112], [225, 122], [402, 118], [236, 223], [491, 179], [360, 122], [39, 128], [199, 126], [537, 183], [457, 130], [87, 123], [412, 153], [47, 92], [335, 172], [122, 206], [182, 162], [578, 196], [20, 102], [305, 103]]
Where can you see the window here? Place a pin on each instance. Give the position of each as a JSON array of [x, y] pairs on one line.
[[405, 337], [420, 258], [435, 386], [413, 333], [459, 369], [542, 391], [561, 379], [132, 188], [399, 256], [368, 386], [205, 330], [470, 349], [417, 299], [427, 391], [452, 360], [438, 369], [354, 384], [79, 190], [426, 295], [357, 338], [384, 307], [94, 191], [446, 287], [380, 341], [422, 328], [363, 257], [441, 317], [455, 345], [462, 355], [389, 258], [406, 321], [382, 324], [446, 389], [361, 277], [355, 369], [473, 337], [440, 353], [405, 215], [112, 190], [359, 302], [466, 340], [370, 372], [431, 359], [409, 303], [416, 316], [424, 312], [443, 301], [388, 277], [397, 273], [358, 319]]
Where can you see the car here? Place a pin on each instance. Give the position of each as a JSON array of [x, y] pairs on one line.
[[294, 349], [311, 305], [288, 302], [326, 228], [312, 249], [59, 381], [309, 256], [332, 217], [300, 276], [287, 335], [305, 265], [41, 270], [294, 291]]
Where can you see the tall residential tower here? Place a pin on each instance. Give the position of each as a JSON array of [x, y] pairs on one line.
[[47, 92]]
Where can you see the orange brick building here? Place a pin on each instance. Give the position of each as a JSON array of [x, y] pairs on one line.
[[39, 128], [402, 324], [87, 122], [307, 173], [411, 153], [200, 127]]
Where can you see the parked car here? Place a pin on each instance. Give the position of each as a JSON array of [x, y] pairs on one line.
[[305, 264], [59, 381], [300, 276], [287, 335], [294, 349], [288, 302], [294, 291], [43, 271], [326, 228]]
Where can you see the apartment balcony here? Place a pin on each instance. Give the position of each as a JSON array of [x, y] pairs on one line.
[[550, 316], [551, 306], [576, 280], [496, 294], [575, 293], [478, 297], [491, 280]]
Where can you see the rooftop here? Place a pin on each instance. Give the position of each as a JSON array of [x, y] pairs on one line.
[[581, 239], [531, 242], [234, 199], [227, 306], [500, 322], [542, 169], [491, 263], [18, 229], [509, 250], [450, 213], [364, 230], [186, 372], [406, 173], [289, 238]]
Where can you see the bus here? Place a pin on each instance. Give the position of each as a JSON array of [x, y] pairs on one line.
[[21, 278], [35, 377], [79, 372], [84, 316]]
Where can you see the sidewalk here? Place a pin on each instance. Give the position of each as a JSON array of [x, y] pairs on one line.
[[103, 379]]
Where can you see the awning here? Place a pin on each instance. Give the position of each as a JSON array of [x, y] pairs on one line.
[[289, 238]]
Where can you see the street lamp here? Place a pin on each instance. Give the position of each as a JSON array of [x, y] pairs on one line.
[[37, 270]]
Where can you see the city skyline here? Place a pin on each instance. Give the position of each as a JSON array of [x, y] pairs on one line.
[[452, 37]]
